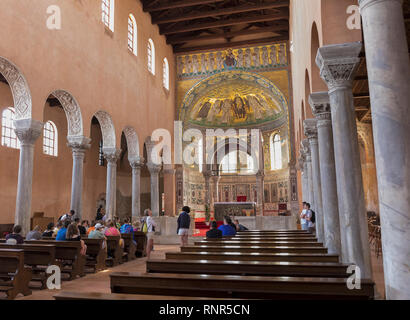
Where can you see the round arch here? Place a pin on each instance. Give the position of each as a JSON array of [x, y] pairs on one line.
[[132, 142], [308, 91], [317, 82], [19, 88], [107, 129]]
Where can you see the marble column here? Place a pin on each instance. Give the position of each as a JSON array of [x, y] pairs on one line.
[[305, 190], [310, 128], [388, 70], [111, 155], [214, 194], [79, 145], [260, 192], [320, 104], [154, 171], [207, 178], [136, 165], [169, 190], [338, 64], [27, 131], [309, 176]]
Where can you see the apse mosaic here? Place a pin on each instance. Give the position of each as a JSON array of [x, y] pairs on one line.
[[245, 59], [233, 99]]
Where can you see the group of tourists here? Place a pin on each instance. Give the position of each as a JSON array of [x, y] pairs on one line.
[[228, 228]]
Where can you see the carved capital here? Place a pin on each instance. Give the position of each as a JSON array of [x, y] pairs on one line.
[[154, 169], [78, 143], [136, 162], [305, 146], [28, 131], [310, 128], [111, 155], [338, 64], [320, 104]]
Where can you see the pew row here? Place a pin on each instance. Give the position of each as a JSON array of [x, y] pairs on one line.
[[230, 286], [260, 243], [96, 254], [248, 249], [14, 275]]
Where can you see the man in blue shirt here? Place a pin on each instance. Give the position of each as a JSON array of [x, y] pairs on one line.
[[226, 228], [61, 234]]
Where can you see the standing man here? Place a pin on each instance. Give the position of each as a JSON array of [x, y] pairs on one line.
[[184, 222], [303, 221]]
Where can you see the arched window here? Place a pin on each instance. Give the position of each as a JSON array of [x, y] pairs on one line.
[[151, 56], [8, 136], [132, 34], [50, 139], [165, 70], [237, 162], [275, 152], [107, 7]]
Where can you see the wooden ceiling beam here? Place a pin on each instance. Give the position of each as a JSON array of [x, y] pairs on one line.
[[224, 23], [178, 4], [272, 40], [220, 12], [224, 35]]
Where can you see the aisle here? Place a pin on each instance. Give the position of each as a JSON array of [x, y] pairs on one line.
[[100, 282]]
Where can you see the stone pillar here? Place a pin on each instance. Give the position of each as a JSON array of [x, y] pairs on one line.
[[111, 155], [260, 193], [215, 191], [154, 171], [338, 64], [308, 164], [304, 177], [136, 165], [389, 73], [320, 104], [79, 145], [310, 127], [27, 131], [207, 178], [169, 190]]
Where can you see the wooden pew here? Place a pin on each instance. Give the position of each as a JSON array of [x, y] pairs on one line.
[[250, 268], [115, 252], [248, 249], [14, 276], [274, 232], [65, 295], [238, 256], [260, 243], [96, 254], [300, 239], [38, 257], [229, 286], [69, 254], [141, 239], [129, 246]]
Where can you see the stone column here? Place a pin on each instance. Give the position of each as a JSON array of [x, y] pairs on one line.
[[389, 73], [136, 165], [308, 165], [215, 181], [79, 145], [303, 169], [27, 131], [154, 171], [260, 192], [320, 104], [338, 64], [169, 190], [310, 127], [207, 178], [111, 155]]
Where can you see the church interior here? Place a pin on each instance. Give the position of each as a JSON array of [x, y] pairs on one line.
[[289, 117]]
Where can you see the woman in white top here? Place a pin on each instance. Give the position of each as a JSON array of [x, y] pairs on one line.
[[151, 225]]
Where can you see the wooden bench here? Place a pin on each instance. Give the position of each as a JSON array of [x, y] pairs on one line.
[[237, 256], [65, 295], [248, 249], [274, 232], [229, 286], [260, 243], [68, 253], [259, 268], [115, 253], [14, 275], [96, 254], [129, 246], [299, 239], [141, 239], [38, 257]]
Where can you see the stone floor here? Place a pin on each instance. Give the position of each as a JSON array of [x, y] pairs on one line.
[[100, 282]]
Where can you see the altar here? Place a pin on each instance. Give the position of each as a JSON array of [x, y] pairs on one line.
[[234, 209]]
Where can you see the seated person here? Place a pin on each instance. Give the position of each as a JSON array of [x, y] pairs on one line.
[[111, 230], [80, 226], [126, 227], [97, 233], [73, 234], [49, 232], [57, 228], [15, 237], [239, 227], [35, 234], [93, 223], [117, 222], [61, 234], [214, 232], [226, 228]]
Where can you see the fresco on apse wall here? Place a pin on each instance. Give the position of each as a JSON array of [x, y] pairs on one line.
[[258, 58]]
